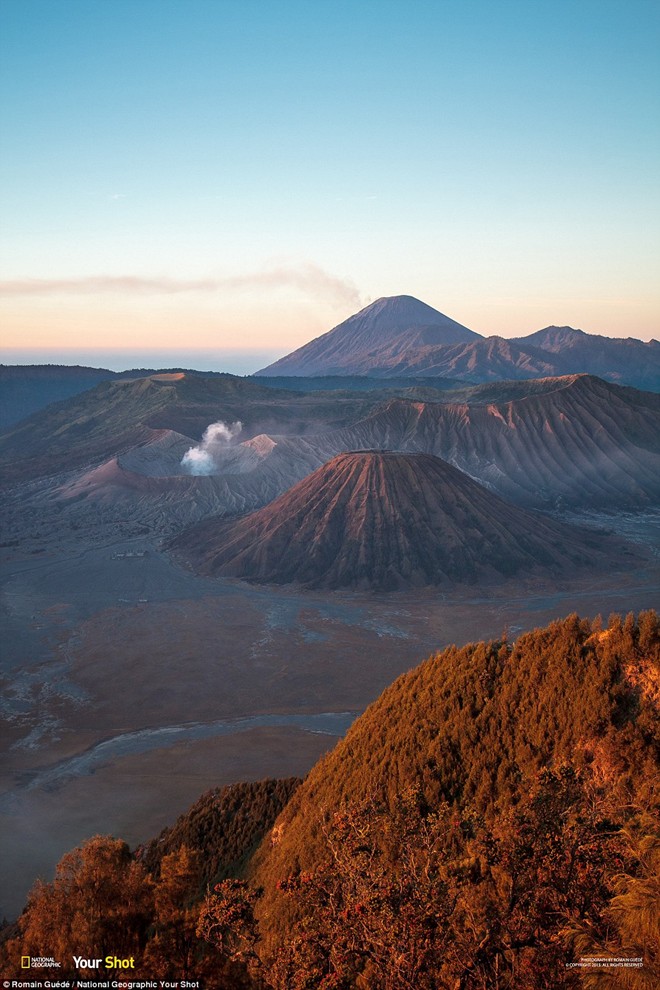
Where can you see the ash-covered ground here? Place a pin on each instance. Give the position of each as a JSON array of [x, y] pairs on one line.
[[130, 685]]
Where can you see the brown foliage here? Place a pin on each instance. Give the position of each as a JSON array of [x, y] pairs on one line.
[[494, 817], [100, 903], [419, 898], [469, 725], [173, 949]]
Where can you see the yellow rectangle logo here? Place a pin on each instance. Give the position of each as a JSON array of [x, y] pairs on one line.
[[25, 962]]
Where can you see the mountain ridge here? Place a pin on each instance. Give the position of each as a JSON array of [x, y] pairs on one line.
[[390, 346], [571, 442]]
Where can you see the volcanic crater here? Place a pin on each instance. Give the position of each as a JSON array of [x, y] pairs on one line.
[[386, 520]]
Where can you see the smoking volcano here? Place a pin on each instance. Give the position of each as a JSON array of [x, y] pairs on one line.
[[205, 457], [385, 520]]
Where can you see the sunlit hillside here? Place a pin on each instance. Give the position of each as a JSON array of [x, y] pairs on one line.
[[492, 820]]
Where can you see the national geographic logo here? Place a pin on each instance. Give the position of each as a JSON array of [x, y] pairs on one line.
[[39, 962]]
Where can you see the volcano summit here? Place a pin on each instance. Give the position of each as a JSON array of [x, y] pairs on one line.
[[391, 325], [385, 521]]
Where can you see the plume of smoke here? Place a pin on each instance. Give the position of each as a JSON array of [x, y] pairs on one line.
[[205, 457], [308, 279]]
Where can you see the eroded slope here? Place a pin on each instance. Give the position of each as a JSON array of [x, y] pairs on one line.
[[383, 520]]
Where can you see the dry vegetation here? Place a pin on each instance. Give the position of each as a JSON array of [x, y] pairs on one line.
[[491, 820]]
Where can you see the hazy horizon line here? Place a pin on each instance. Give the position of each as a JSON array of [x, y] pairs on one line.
[[234, 362]]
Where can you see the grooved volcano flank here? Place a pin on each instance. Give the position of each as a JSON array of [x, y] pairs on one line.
[[384, 520]]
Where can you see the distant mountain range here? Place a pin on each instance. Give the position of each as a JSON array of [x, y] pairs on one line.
[[396, 342], [401, 336], [117, 458]]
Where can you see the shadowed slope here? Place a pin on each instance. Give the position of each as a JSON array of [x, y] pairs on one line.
[[24, 389], [384, 520], [225, 825]]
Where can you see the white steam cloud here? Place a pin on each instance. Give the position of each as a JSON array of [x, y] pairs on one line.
[[205, 457]]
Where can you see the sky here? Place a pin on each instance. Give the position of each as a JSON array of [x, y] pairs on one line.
[[213, 183]]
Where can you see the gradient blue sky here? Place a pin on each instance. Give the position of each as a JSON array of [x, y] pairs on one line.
[[214, 183]]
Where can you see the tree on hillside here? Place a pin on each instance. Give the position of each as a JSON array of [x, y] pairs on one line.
[[100, 903], [174, 949], [227, 922]]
